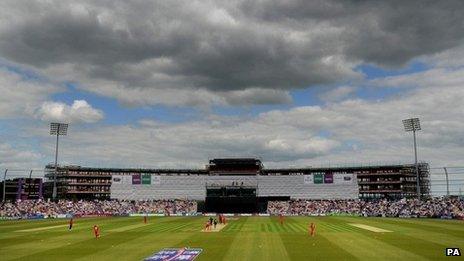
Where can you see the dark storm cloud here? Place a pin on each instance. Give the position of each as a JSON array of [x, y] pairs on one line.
[[388, 33], [223, 47]]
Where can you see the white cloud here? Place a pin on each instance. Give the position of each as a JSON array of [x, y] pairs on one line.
[[337, 94], [350, 131], [238, 53], [191, 143], [79, 111], [19, 96], [13, 158], [202, 53], [195, 98], [449, 58]]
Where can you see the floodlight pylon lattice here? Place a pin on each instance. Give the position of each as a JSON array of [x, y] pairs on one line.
[[58, 129], [413, 124]]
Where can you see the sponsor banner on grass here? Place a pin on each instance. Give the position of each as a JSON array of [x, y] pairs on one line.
[[63, 216], [175, 254], [147, 215], [338, 214], [264, 215], [316, 215], [9, 218], [193, 214], [94, 215], [37, 216], [245, 215]]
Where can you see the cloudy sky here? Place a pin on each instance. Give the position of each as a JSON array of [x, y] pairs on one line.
[[173, 83]]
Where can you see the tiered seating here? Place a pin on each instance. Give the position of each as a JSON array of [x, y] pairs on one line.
[[194, 187], [170, 187], [295, 187]]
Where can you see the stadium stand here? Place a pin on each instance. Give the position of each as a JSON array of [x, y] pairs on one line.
[[365, 182], [443, 207], [433, 208], [36, 208]]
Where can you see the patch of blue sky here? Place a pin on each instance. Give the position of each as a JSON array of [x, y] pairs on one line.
[[251, 110], [24, 73], [352, 145], [308, 96], [118, 114], [15, 132], [7, 128], [373, 72], [324, 134], [302, 97], [366, 92]]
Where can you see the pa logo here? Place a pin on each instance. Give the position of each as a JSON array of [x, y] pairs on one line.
[[453, 251]]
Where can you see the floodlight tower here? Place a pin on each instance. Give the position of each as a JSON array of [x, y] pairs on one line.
[[57, 129], [413, 125]]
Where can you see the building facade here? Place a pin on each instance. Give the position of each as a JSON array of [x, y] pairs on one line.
[[22, 188], [364, 182], [79, 183]]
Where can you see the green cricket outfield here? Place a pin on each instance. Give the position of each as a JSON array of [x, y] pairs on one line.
[[245, 238]]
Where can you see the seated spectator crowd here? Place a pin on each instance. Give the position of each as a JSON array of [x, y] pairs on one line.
[[433, 208], [28, 208]]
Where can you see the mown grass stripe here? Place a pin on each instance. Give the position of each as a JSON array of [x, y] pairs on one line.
[[342, 226], [328, 227], [300, 227], [269, 228], [349, 228], [127, 227], [251, 240], [168, 226], [335, 227], [292, 227], [162, 228], [263, 227], [228, 227], [289, 228], [241, 223], [275, 227], [232, 226], [323, 227], [179, 228]]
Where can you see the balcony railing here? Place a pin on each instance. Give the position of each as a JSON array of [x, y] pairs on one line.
[[380, 182], [381, 191], [87, 192]]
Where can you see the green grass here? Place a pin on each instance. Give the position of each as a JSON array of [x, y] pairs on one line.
[[247, 238]]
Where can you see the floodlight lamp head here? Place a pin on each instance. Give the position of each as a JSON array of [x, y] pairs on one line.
[[58, 128], [412, 124]]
